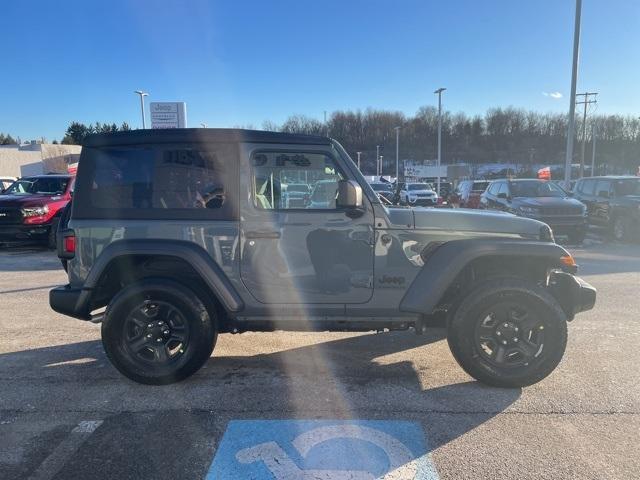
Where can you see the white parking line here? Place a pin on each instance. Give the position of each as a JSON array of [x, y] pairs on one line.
[[56, 460]]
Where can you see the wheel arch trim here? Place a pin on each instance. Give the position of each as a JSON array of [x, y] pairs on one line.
[[192, 254], [445, 262]]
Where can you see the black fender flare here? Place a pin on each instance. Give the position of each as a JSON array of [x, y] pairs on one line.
[[443, 264], [193, 254]]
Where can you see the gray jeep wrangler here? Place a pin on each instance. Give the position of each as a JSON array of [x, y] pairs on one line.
[[178, 235]]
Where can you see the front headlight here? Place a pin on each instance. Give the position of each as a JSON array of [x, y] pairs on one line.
[[529, 210], [35, 211]]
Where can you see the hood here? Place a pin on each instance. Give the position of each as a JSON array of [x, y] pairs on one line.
[[20, 201], [552, 202], [479, 221], [632, 198]]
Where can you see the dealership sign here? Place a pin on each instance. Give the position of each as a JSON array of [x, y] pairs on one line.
[[168, 114]]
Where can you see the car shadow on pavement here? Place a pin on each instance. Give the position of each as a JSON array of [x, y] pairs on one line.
[[28, 259], [356, 377]]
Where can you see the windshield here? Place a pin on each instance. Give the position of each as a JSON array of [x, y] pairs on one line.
[[629, 186], [419, 186], [43, 186], [535, 188], [479, 186]]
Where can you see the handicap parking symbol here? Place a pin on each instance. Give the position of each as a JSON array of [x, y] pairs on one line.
[[322, 450]]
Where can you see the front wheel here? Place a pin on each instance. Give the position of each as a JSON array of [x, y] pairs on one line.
[[508, 333], [157, 331], [620, 228]]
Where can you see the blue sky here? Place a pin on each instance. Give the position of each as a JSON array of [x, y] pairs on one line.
[[240, 63]]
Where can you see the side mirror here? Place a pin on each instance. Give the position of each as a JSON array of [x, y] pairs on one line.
[[603, 194], [349, 195]]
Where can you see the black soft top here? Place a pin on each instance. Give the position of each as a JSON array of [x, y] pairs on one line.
[[200, 135]]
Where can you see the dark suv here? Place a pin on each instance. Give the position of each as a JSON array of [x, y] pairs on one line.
[[30, 208], [541, 200], [612, 202], [184, 234]]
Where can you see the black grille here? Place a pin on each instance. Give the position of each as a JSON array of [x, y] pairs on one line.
[[10, 216], [561, 211]]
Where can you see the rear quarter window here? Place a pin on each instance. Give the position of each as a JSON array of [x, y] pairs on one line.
[[165, 181]]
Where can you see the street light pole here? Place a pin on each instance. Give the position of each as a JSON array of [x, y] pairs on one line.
[[377, 160], [439, 93], [359, 153], [397, 129], [142, 95], [572, 99]]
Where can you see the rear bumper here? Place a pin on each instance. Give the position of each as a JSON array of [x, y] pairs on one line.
[[73, 302], [573, 293]]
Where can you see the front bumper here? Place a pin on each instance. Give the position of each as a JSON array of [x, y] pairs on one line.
[[573, 293], [16, 233], [73, 302], [423, 202]]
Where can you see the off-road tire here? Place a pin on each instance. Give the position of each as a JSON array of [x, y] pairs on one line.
[[201, 328], [464, 320], [620, 228], [52, 234]]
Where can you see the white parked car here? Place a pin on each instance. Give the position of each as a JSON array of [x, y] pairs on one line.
[[418, 194]]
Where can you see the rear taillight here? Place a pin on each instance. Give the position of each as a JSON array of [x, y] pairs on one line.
[[70, 244]]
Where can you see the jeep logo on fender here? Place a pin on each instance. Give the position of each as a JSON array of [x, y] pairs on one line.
[[391, 281]]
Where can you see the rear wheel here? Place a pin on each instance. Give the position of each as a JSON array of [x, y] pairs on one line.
[[508, 333], [157, 331]]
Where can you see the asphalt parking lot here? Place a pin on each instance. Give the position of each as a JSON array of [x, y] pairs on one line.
[[65, 413]]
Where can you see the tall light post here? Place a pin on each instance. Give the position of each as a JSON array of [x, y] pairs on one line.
[[397, 129], [359, 153], [142, 95], [377, 160], [439, 93], [572, 100]]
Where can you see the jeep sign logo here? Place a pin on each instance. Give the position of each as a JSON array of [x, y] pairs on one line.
[[168, 114]]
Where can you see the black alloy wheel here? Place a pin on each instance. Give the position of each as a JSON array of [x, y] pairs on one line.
[[509, 335], [156, 332]]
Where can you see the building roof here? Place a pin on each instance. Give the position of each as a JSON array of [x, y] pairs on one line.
[[201, 135]]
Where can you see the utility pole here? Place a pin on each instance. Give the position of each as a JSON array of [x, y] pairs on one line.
[[142, 95], [572, 101], [439, 93], [359, 153], [326, 128], [397, 129], [377, 160], [593, 149], [585, 102], [381, 157]]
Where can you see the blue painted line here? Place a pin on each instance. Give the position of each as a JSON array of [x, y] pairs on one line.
[[322, 449]]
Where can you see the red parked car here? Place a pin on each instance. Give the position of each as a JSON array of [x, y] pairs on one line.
[[30, 208]]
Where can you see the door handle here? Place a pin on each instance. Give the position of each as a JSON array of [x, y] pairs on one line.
[[262, 234]]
